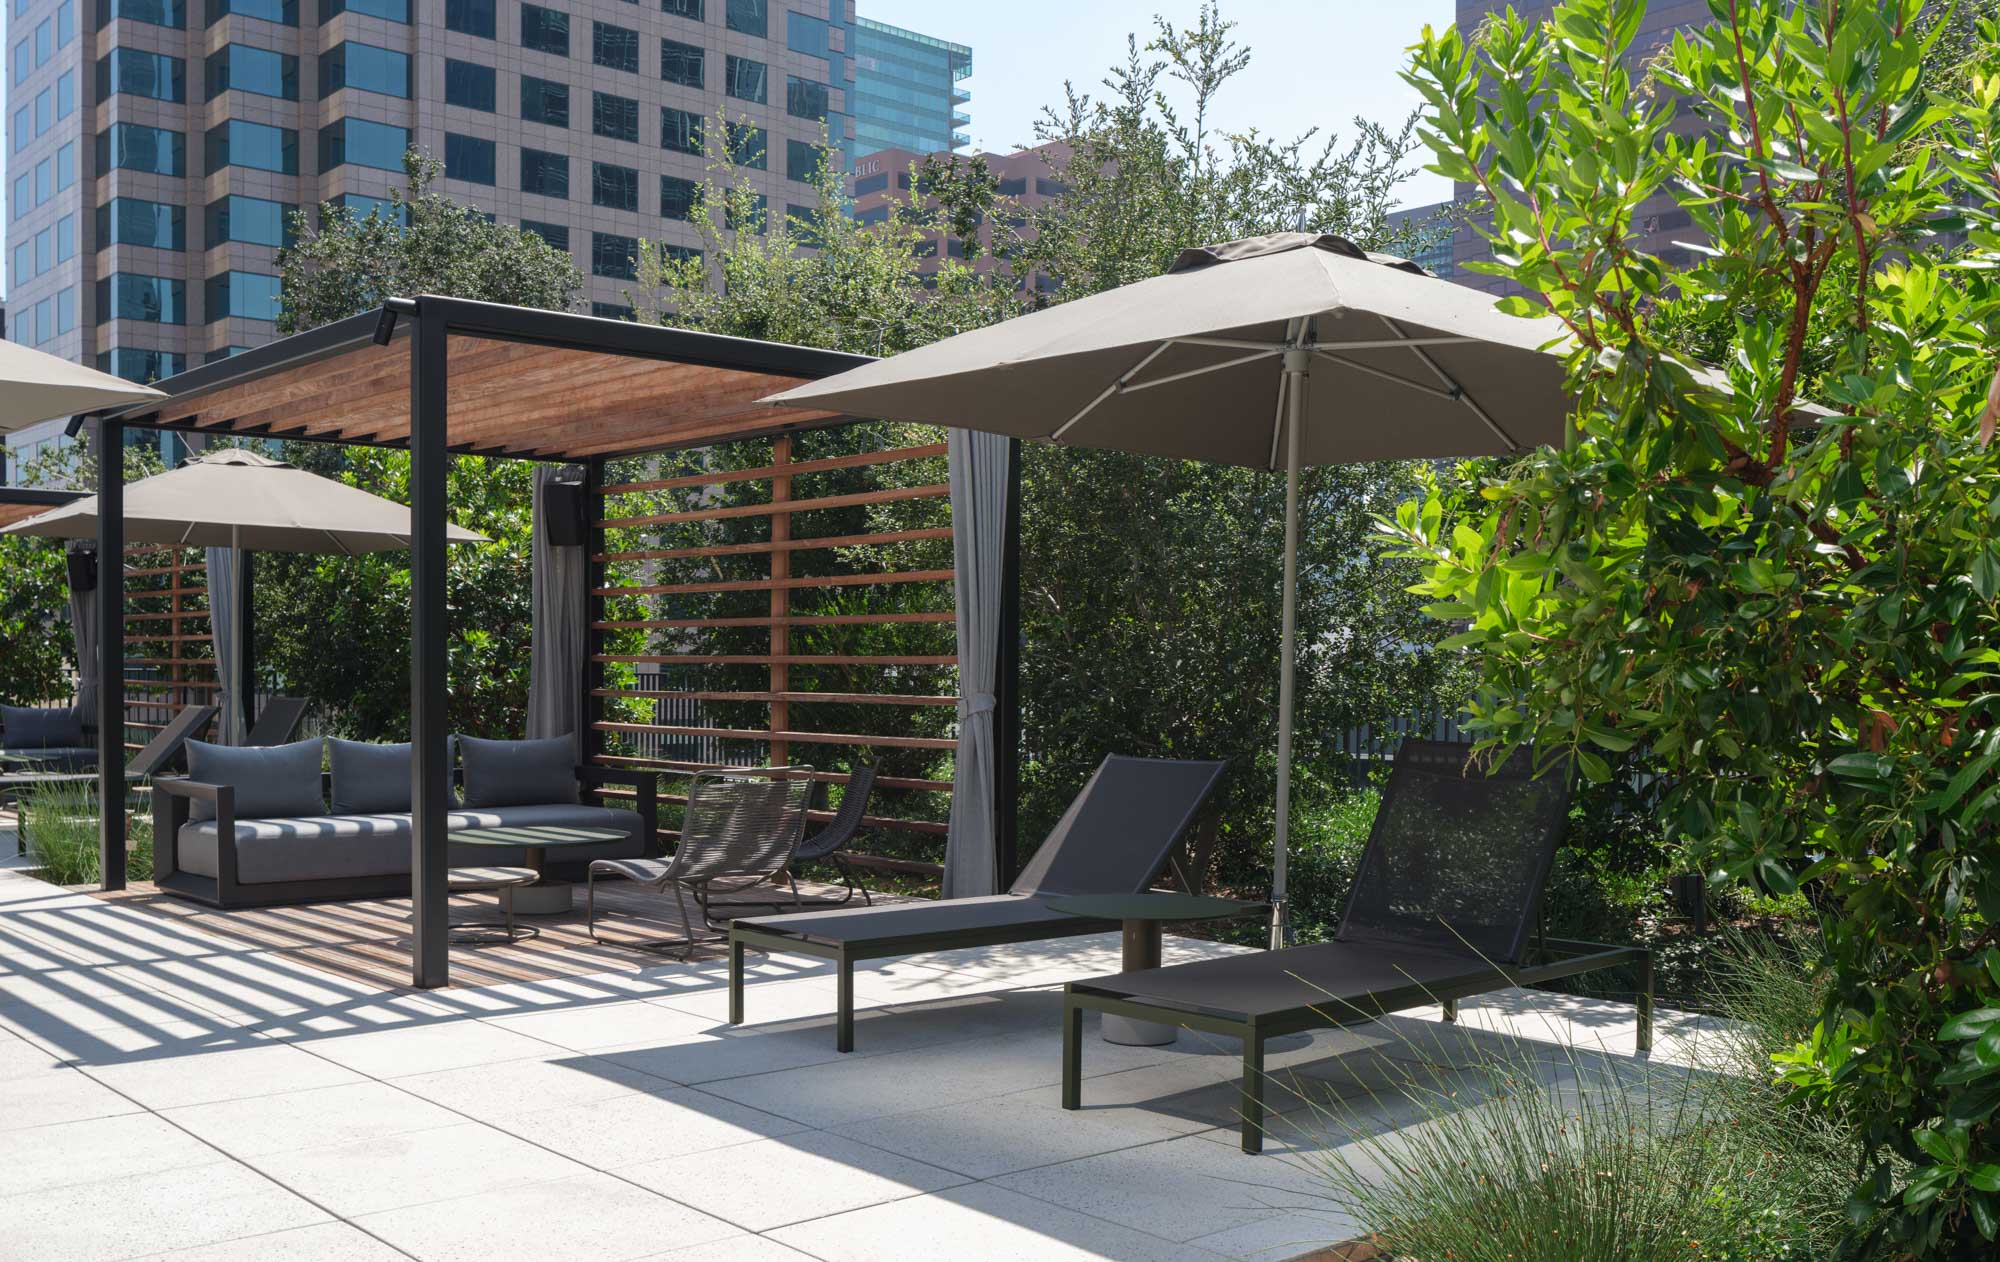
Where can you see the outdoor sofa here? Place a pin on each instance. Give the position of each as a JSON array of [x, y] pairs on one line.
[[1444, 905], [1114, 839], [296, 836], [51, 739]]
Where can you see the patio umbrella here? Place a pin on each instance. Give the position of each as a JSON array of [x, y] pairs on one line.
[[35, 387], [1274, 352], [242, 501]]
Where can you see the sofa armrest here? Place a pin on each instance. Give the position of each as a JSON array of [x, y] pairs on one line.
[[171, 795], [647, 785]]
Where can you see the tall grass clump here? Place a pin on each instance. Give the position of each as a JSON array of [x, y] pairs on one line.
[[1578, 1156], [58, 824]]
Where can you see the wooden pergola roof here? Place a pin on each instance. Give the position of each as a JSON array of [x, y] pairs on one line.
[[535, 384], [18, 503]]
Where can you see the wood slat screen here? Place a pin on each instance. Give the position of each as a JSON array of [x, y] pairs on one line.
[[169, 659], [784, 600]]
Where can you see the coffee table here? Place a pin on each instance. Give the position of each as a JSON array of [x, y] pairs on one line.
[[1142, 915], [545, 897], [502, 880]]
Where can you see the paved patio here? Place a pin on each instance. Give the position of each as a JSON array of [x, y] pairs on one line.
[[165, 1092]]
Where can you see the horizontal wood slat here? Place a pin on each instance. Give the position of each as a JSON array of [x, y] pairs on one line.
[[779, 545], [791, 620], [809, 698], [765, 659], [779, 584], [857, 461], [762, 734], [668, 765], [856, 500]]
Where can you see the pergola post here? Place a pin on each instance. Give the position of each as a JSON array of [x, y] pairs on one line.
[[590, 742], [111, 654], [430, 765]]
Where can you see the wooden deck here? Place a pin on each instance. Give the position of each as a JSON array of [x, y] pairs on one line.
[[369, 941]]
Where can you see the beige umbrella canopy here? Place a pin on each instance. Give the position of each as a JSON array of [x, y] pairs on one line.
[[35, 387]]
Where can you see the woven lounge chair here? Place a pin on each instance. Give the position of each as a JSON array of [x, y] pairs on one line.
[[1443, 906], [740, 828], [826, 844], [1114, 839]]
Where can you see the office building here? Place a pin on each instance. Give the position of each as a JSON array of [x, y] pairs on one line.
[[906, 91], [157, 148], [1436, 253], [1026, 179]]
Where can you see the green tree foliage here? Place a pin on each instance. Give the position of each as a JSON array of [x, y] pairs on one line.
[[1795, 617], [345, 267], [1149, 586]]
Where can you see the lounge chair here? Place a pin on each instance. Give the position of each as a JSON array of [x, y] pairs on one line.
[[740, 829], [278, 724], [826, 844], [1114, 839], [1444, 905]]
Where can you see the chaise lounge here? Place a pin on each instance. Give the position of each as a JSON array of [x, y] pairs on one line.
[[288, 844], [1114, 839], [1444, 905]]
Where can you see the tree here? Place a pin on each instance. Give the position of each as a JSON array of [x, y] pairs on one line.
[[1149, 586], [1792, 615]]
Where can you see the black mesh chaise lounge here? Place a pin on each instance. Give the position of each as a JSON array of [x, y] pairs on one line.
[[278, 723], [826, 844], [1443, 906], [1113, 839]]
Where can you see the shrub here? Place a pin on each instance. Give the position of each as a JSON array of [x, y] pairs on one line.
[[58, 824]]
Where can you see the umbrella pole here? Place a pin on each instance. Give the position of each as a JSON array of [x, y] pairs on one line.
[[1298, 362], [242, 696]]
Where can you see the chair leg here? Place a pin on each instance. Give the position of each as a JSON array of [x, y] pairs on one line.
[[1072, 1067], [687, 924], [589, 902], [507, 895], [1451, 1010], [735, 980], [843, 1021]]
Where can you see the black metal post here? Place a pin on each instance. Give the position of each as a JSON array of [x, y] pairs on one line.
[[246, 640], [430, 788], [1007, 685], [111, 654], [591, 740]]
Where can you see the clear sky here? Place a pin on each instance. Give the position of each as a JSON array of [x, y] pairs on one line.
[[1313, 63]]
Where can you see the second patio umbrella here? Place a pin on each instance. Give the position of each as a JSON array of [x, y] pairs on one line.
[[1275, 352], [244, 502]]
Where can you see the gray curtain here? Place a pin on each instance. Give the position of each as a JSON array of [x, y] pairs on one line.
[[83, 632], [223, 573], [555, 663], [978, 465]]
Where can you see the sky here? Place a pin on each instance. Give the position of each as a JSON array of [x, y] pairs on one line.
[[1313, 63]]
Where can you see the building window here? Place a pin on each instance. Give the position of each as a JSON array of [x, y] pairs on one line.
[[152, 75], [470, 158], [469, 84], [65, 166], [545, 30], [750, 17], [387, 10], [1049, 188], [133, 221], [24, 130], [65, 23], [689, 9], [874, 214], [240, 295], [555, 234], [283, 12], [364, 68], [745, 79], [614, 187], [138, 364], [45, 42], [134, 147], [167, 13], [361, 208], [614, 47], [24, 60], [871, 184], [611, 255], [803, 161], [362, 143], [546, 174], [746, 146], [66, 94], [678, 197], [680, 130], [615, 117], [241, 68], [753, 216], [249, 219], [681, 63], [802, 221], [544, 101], [470, 17], [612, 311], [253, 145], [65, 238], [65, 310], [154, 299], [805, 98]]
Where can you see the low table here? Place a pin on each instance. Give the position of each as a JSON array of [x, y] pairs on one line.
[[545, 897], [1142, 915], [503, 880]]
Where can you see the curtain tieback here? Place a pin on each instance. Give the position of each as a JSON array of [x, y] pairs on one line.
[[976, 704]]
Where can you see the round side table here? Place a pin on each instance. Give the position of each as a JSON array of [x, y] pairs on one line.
[[1141, 916]]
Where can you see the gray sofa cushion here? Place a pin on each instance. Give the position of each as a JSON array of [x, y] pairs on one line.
[[518, 773], [368, 779], [314, 848], [39, 727], [271, 782]]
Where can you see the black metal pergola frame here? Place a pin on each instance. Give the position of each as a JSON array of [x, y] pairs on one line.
[[431, 321]]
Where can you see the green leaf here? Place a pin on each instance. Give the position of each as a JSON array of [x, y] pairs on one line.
[[1970, 1025], [1986, 573]]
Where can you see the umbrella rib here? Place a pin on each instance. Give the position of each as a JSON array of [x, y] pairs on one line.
[[1132, 387], [1237, 343], [1278, 420], [1373, 371], [1108, 391], [1416, 346]]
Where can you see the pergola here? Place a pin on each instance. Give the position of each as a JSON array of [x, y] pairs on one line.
[[442, 377]]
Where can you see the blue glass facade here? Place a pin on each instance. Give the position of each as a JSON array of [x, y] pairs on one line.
[[907, 92]]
